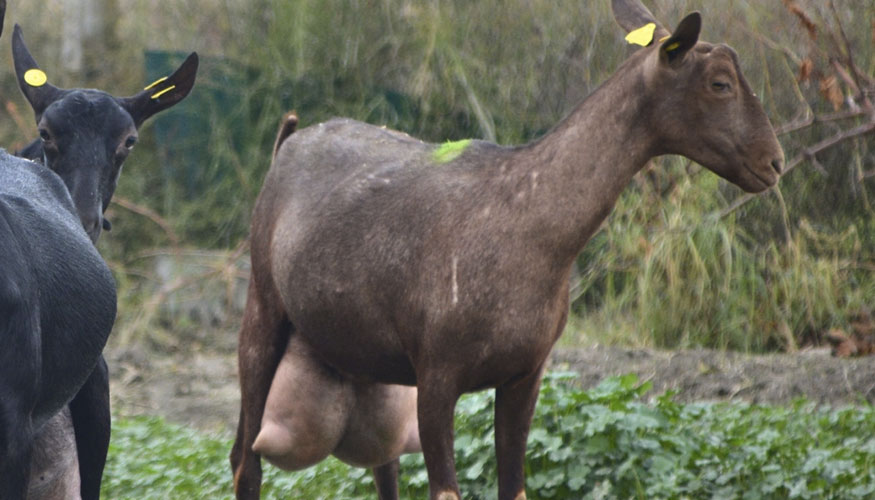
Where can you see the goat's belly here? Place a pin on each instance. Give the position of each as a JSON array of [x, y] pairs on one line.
[[362, 354], [352, 337]]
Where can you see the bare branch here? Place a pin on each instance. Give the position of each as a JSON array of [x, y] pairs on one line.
[[812, 119], [849, 55], [774, 45], [805, 154], [149, 214]]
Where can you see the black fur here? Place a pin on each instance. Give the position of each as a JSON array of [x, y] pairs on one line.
[[57, 308]]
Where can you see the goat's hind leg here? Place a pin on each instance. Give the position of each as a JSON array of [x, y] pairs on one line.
[[19, 372], [263, 337], [16, 448]]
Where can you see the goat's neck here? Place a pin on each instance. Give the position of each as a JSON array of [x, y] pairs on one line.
[[582, 165]]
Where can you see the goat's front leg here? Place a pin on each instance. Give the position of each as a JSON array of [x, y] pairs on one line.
[[91, 423], [435, 405], [514, 408], [386, 480]]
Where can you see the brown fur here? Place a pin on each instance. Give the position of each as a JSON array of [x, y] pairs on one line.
[[393, 268]]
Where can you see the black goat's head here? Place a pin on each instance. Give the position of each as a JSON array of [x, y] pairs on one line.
[[86, 134]]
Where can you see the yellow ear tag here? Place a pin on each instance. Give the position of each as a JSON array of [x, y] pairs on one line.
[[156, 82], [35, 77], [158, 94], [642, 36], [672, 46]]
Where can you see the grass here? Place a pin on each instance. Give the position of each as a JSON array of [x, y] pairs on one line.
[[607, 442]]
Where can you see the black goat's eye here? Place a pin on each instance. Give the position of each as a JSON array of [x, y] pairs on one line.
[[720, 86], [45, 135], [130, 141]]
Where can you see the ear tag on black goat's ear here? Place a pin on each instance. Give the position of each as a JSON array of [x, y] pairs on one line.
[[161, 92], [158, 94], [35, 77], [156, 82], [643, 36]]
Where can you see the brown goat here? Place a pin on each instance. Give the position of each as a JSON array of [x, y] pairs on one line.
[[395, 261]]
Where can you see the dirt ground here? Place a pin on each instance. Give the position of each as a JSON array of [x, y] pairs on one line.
[[197, 386]]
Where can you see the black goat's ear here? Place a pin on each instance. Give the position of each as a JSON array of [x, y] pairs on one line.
[[163, 93], [2, 14], [32, 81]]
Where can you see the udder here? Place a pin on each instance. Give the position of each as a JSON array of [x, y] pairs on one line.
[[54, 471], [313, 411]]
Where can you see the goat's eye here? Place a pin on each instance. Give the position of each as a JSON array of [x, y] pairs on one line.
[[130, 141], [45, 135], [720, 86]]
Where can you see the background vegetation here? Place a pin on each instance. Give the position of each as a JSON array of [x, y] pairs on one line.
[[684, 260]]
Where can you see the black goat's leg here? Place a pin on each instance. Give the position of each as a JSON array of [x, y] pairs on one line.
[[91, 422]]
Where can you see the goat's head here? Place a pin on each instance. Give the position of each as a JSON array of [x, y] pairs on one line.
[[86, 134], [702, 106]]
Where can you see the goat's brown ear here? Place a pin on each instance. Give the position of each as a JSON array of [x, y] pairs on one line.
[[163, 93], [32, 81], [683, 39], [632, 16]]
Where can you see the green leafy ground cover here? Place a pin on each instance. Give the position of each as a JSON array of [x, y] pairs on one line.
[[609, 442]]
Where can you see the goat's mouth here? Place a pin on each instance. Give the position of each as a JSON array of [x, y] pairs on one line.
[[763, 177]]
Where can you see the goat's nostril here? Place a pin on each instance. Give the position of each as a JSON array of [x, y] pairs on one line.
[[777, 165]]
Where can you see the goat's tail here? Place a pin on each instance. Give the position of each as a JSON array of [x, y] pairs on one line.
[[288, 125]]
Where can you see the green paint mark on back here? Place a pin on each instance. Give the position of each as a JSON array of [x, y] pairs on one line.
[[449, 151]]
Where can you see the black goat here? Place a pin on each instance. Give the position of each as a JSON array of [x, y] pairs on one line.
[[57, 297]]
